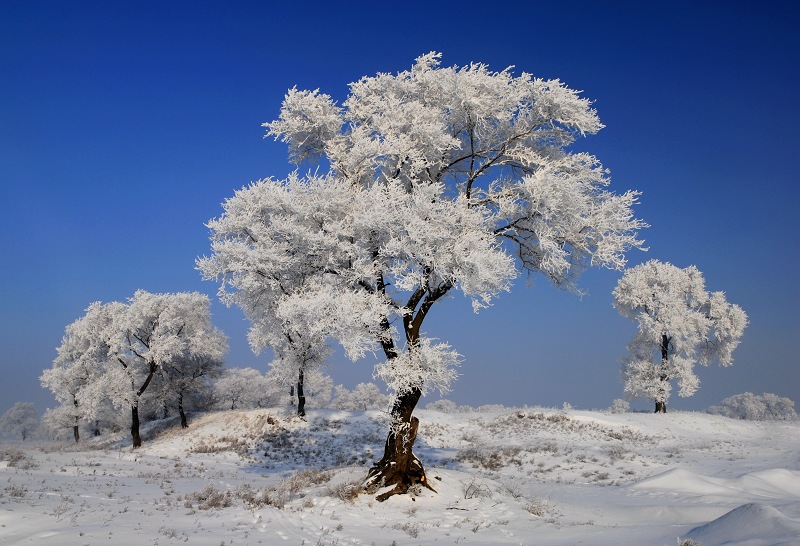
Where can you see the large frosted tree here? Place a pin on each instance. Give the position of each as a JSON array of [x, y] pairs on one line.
[[430, 181], [680, 325]]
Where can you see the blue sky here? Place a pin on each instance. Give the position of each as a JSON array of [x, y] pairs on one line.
[[124, 126]]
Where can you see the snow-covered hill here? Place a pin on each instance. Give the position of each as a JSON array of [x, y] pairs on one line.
[[515, 476]]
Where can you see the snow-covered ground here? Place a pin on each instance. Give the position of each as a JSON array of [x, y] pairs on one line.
[[516, 476]]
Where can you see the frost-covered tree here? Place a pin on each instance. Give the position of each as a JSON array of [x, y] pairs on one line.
[[244, 388], [68, 376], [363, 397], [80, 364], [187, 378], [60, 419], [298, 356], [126, 344], [312, 385], [158, 330], [21, 419], [319, 389], [434, 180], [680, 325]]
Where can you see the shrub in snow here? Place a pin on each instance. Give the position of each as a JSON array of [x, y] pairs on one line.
[[538, 507], [620, 406], [444, 406], [346, 491], [491, 408], [210, 498], [16, 458], [751, 407]]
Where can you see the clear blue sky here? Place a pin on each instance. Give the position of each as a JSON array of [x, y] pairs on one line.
[[123, 126]]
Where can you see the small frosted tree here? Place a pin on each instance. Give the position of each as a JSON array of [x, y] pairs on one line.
[[295, 382], [78, 370], [20, 420], [158, 330], [298, 358], [363, 397], [68, 376], [680, 325], [244, 388], [187, 378], [319, 389], [124, 345], [60, 419], [438, 180]]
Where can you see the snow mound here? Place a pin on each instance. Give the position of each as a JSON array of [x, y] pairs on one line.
[[753, 524], [771, 483]]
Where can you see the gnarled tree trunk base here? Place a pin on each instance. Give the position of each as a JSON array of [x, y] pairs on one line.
[[398, 467]]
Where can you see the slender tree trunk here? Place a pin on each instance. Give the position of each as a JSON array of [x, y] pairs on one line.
[[137, 439], [75, 429], [301, 399], [184, 422]]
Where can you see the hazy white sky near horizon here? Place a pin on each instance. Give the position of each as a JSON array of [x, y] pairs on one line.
[[124, 127]]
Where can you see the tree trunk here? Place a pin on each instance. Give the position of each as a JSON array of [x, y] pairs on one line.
[[661, 401], [75, 429], [184, 422], [399, 467], [301, 399], [137, 439]]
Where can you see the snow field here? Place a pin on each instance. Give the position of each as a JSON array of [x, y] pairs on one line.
[[512, 476]]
